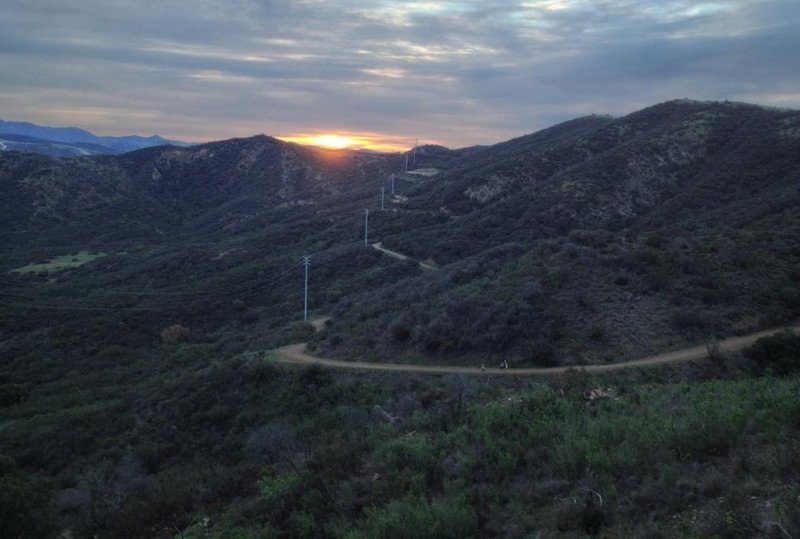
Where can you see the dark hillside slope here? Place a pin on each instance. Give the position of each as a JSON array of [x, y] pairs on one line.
[[209, 236], [675, 159], [601, 239]]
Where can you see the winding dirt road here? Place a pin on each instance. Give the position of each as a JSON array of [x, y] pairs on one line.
[[296, 355], [401, 256]]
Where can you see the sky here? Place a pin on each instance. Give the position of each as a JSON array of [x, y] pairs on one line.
[[383, 72]]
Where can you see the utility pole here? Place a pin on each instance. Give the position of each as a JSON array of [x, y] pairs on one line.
[[306, 264], [383, 190], [392, 183], [366, 227]]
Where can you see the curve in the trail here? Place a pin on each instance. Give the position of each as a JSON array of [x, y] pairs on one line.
[[296, 355], [400, 256]]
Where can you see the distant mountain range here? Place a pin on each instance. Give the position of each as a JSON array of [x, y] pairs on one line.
[[71, 141]]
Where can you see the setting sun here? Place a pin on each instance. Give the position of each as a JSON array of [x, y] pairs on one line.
[[333, 142], [357, 141]]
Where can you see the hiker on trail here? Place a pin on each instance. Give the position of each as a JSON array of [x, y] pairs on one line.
[[483, 367], [505, 364]]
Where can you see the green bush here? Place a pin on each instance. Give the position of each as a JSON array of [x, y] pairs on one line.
[[279, 491], [11, 394], [413, 517]]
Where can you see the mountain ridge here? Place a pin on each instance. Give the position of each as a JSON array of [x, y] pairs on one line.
[[76, 135], [597, 224]]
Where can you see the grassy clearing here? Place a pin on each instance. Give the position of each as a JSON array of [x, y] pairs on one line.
[[61, 262]]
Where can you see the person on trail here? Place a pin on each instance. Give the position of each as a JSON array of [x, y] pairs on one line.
[[483, 367], [505, 363]]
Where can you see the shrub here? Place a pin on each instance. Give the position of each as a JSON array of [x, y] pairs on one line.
[[780, 353], [690, 320], [591, 238], [584, 514], [655, 240], [413, 517], [573, 382], [11, 394], [658, 279], [401, 329], [542, 352], [621, 280], [715, 354], [279, 491], [26, 507], [598, 333], [649, 257]]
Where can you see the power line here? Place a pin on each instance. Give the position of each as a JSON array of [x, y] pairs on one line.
[[366, 227], [306, 264]]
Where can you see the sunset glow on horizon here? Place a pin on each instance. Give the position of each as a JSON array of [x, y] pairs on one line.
[[377, 75], [352, 141]]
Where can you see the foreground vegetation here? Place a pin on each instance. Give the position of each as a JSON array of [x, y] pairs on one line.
[[181, 444]]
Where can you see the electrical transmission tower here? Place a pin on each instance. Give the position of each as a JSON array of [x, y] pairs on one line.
[[306, 264]]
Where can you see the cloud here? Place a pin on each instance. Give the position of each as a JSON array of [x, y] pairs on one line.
[[454, 72]]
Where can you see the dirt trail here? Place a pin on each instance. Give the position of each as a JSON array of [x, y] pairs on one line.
[[295, 354], [400, 256]]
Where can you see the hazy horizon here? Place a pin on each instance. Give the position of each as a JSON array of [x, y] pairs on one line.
[[385, 72]]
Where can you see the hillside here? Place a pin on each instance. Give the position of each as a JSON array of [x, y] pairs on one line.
[[182, 190], [598, 239], [206, 236]]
